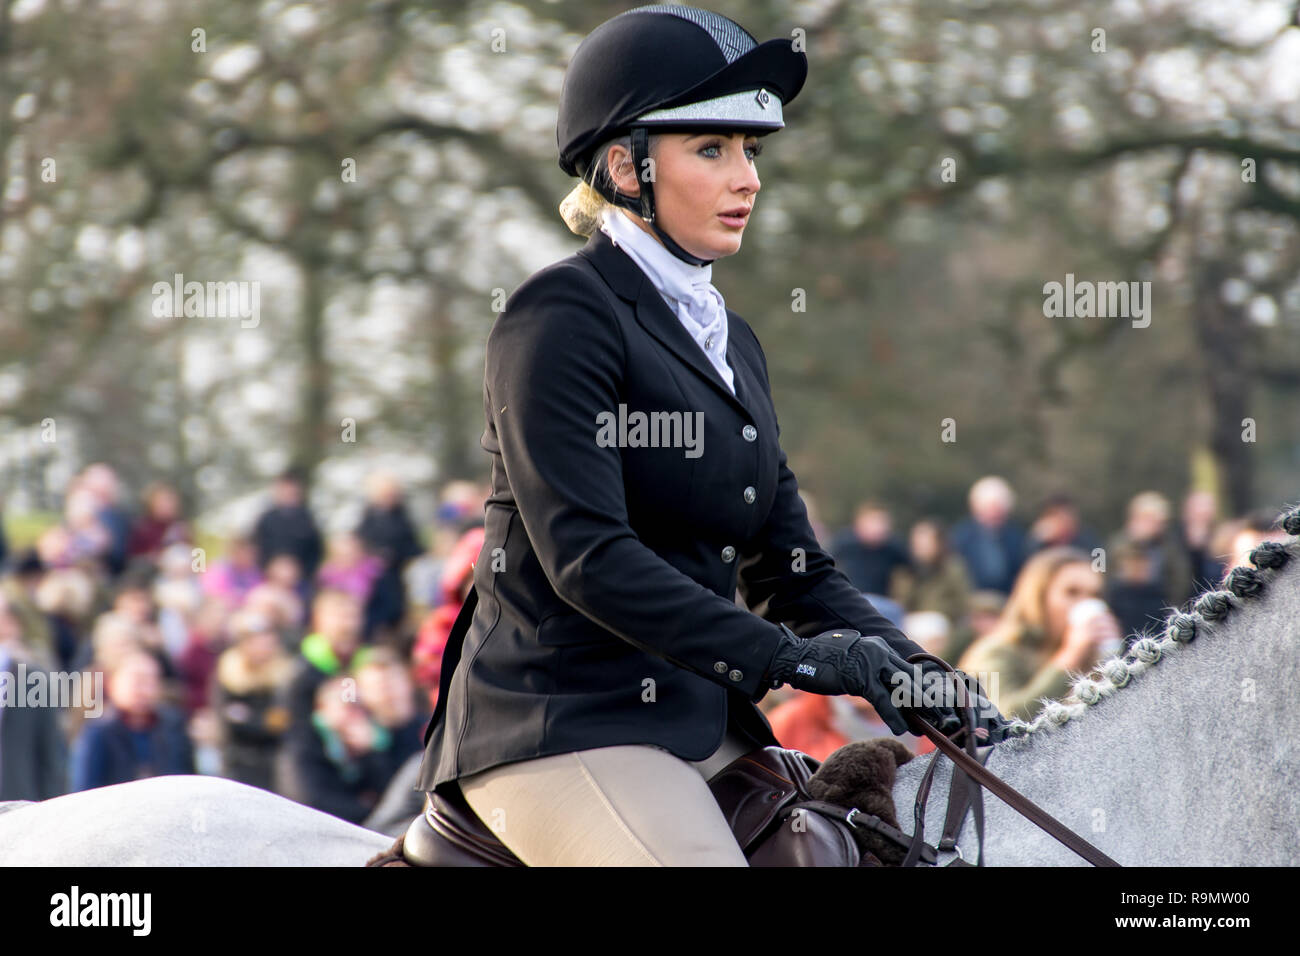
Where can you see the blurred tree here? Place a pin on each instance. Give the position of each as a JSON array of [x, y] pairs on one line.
[[386, 172]]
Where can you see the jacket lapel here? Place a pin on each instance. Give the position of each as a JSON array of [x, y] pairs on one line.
[[625, 277]]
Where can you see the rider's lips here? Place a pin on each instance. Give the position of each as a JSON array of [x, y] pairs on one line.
[[736, 218]]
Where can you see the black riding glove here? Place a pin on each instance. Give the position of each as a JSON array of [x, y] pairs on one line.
[[844, 662], [947, 714]]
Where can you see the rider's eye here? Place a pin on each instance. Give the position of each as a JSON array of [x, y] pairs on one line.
[[753, 150]]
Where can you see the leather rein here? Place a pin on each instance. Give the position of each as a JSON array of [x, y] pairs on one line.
[[969, 774]]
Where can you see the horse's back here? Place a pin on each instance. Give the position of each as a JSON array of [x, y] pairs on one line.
[[180, 821]]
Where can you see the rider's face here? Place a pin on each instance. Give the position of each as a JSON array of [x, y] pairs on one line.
[[697, 177]]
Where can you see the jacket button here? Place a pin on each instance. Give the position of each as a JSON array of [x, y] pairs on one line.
[[735, 675], [750, 495], [750, 432], [720, 667], [728, 554]]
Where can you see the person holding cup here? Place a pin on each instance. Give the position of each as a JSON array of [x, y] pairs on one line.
[[1054, 626]]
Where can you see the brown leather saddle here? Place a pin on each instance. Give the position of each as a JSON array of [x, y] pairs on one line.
[[450, 833], [761, 789], [756, 792]]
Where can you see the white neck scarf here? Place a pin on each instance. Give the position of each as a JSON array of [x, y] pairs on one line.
[[686, 288]]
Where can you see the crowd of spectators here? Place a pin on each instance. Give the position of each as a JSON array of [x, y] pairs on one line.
[[1023, 608], [287, 660], [309, 666]]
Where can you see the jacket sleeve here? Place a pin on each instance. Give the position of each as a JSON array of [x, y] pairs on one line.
[[786, 576], [554, 361]]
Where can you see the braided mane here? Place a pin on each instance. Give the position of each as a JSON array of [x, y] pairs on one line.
[[1109, 676]]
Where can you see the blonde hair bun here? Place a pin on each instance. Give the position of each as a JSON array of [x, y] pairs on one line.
[[581, 209]]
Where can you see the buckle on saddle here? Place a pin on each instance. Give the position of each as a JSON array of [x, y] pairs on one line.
[[872, 822]]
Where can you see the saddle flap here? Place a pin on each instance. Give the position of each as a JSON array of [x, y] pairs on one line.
[[450, 833], [817, 841], [754, 788]]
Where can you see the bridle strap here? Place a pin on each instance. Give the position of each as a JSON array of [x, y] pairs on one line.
[[918, 814], [980, 776], [967, 789]]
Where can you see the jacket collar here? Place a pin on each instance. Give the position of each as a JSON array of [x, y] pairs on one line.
[[627, 280]]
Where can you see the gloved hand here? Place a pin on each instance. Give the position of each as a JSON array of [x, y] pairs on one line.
[[844, 662], [990, 726]]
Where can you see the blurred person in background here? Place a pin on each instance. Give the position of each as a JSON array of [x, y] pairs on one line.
[[101, 482], [460, 506], [52, 547], [330, 763], [280, 596], [934, 579], [388, 534], [18, 589], [137, 736], [196, 664], [235, 574], [1200, 518], [457, 578], [89, 541], [989, 541], [985, 611], [177, 595], [1253, 530], [134, 603], [1147, 568], [932, 630], [247, 699], [387, 692], [1058, 525], [819, 725], [331, 649], [33, 754], [349, 568], [287, 527], [67, 597], [112, 638], [1055, 625], [160, 523], [868, 552]]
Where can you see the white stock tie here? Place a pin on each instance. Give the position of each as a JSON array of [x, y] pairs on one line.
[[687, 289]]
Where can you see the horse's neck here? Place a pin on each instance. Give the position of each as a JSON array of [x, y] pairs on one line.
[[1190, 762]]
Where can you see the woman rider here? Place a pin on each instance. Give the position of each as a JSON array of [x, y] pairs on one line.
[[602, 671]]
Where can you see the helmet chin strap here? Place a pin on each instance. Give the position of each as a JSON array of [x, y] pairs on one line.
[[646, 207]]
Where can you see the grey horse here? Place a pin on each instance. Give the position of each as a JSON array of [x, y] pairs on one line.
[[179, 821], [1179, 753]]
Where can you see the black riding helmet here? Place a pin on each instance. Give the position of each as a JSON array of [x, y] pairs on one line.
[[669, 67]]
